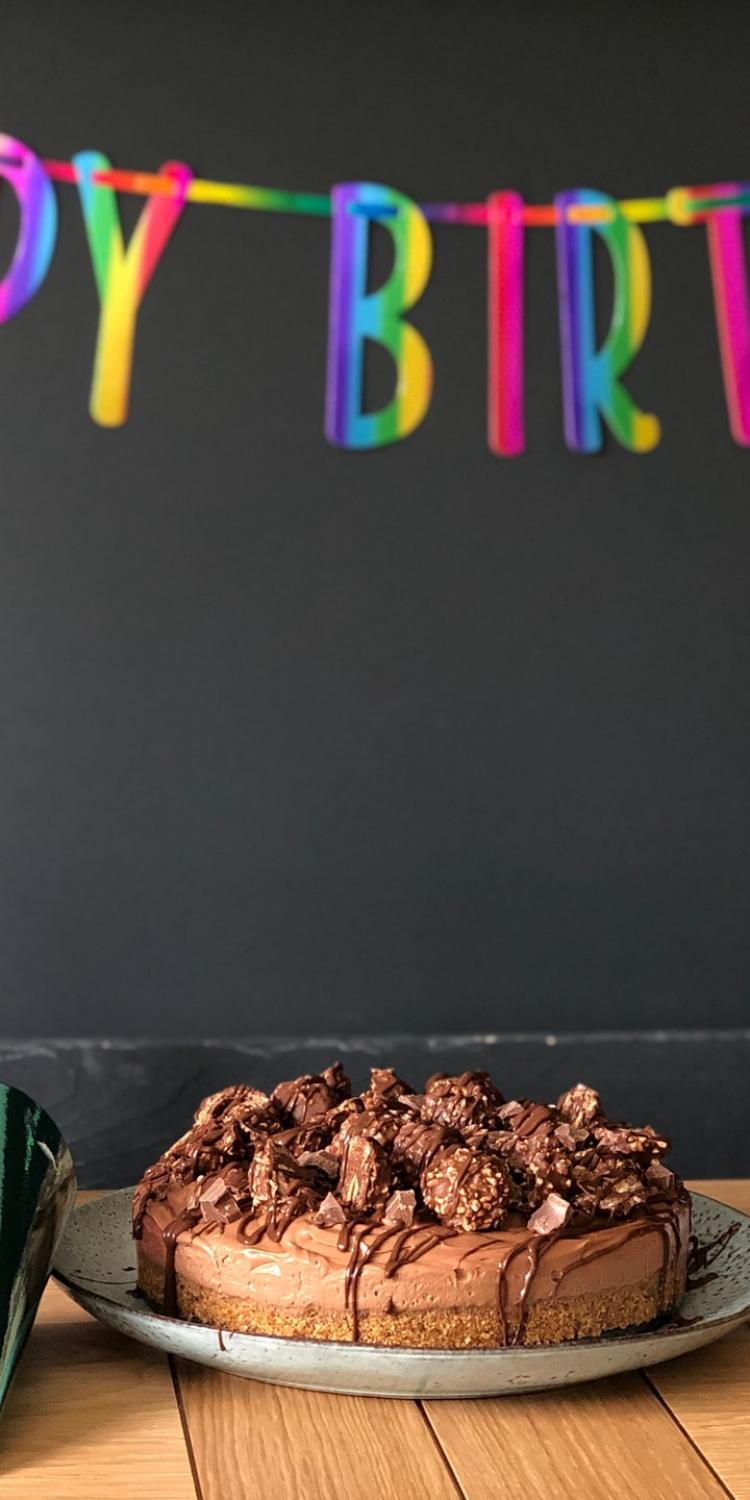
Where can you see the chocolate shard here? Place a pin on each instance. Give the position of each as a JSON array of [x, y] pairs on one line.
[[330, 1214], [401, 1208], [554, 1213], [222, 1199], [465, 1102], [365, 1176], [467, 1189]]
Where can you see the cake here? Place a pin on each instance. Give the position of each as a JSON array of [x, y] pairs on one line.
[[446, 1219]]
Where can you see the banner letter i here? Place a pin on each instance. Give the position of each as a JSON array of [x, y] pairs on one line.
[[505, 276]]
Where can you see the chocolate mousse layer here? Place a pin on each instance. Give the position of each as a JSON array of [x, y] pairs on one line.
[[448, 1218]]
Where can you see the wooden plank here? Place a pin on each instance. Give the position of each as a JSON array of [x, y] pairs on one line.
[[734, 1190], [561, 1439], [91, 1415], [589, 1442], [269, 1441], [709, 1392]]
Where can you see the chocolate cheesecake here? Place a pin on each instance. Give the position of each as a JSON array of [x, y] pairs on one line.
[[446, 1219]]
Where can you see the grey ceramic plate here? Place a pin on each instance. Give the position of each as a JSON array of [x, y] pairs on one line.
[[96, 1264]]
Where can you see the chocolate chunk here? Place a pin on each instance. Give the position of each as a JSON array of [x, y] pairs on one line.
[[466, 1102], [535, 1151], [283, 1188], [336, 1080], [306, 1099], [380, 1125], [624, 1194], [628, 1140], [659, 1180], [467, 1189], [222, 1199], [240, 1102], [386, 1088], [552, 1214], [401, 1208], [415, 1145], [412, 1103], [580, 1105], [365, 1176], [330, 1214]]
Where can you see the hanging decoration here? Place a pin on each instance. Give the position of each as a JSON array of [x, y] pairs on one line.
[[596, 397]]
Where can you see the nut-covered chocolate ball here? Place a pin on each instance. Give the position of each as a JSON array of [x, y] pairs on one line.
[[467, 1103], [467, 1189]]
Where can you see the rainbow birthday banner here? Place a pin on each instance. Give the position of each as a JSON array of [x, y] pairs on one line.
[[595, 396]]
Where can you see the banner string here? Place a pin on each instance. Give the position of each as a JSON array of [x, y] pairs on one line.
[[679, 204]]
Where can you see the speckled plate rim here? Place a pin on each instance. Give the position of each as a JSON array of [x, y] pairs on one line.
[[366, 1369]]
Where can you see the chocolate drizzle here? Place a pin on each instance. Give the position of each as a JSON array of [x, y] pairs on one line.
[[172, 1234], [700, 1257]]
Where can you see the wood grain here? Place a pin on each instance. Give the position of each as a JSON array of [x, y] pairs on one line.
[[91, 1416], [734, 1190], [587, 1443], [270, 1442], [709, 1392]]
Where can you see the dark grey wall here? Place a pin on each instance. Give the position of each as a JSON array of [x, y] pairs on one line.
[[294, 740]]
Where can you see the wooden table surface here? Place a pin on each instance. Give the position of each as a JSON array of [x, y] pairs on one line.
[[94, 1416]]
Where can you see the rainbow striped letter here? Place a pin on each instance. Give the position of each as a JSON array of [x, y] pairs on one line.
[[38, 228], [122, 275], [591, 376], [505, 425], [726, 253], [356, 314]]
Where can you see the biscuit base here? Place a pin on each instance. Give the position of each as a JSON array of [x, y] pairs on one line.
[[550, 1321]]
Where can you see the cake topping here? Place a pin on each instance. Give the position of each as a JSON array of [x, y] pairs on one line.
[[580, 1105], [385, 1088], [415, 1146], [467, 1103], [225, 1197], [304, 1100], [401, 1208], [365, 1176], [455, 1156], [331, 1214], [553, 1214], [467, 1189]]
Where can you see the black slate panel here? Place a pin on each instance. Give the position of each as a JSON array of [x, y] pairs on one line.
[[119, 1103]]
